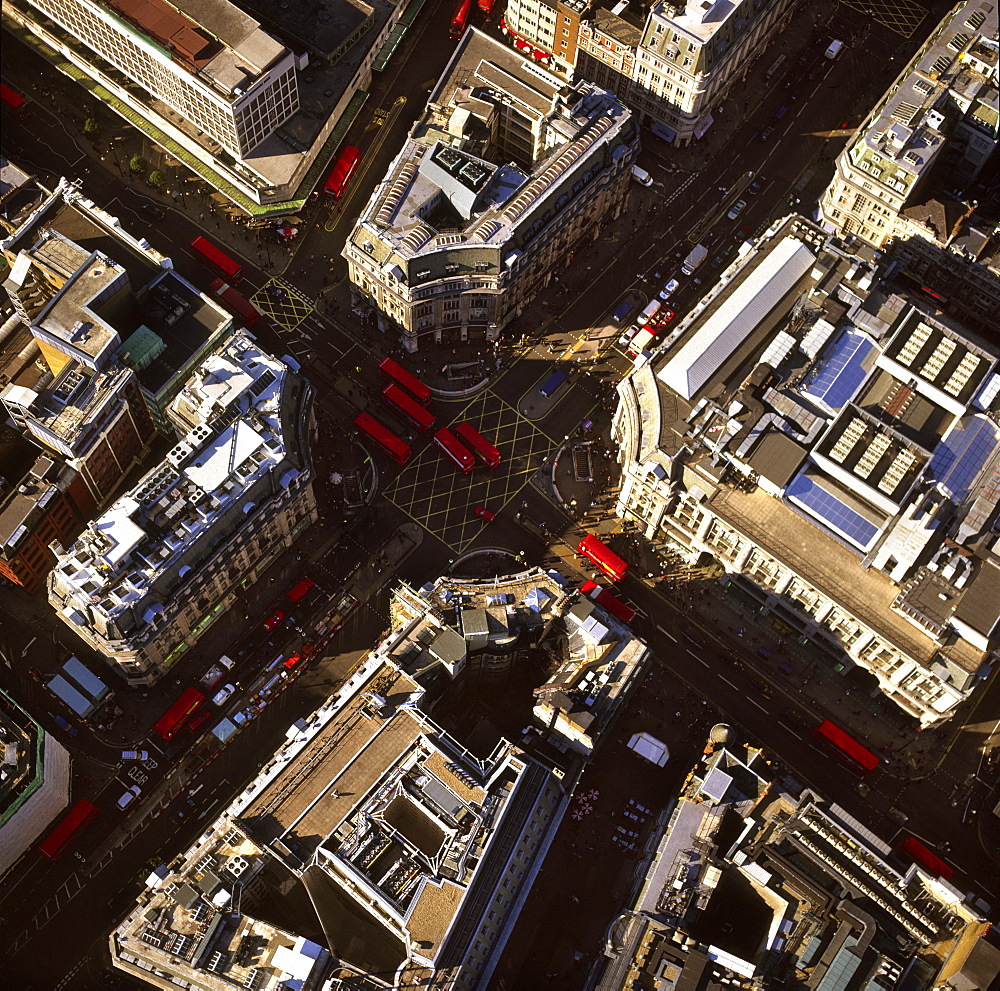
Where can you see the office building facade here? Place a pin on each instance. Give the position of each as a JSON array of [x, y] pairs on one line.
[[503, 178], [150, 575], [835, 448], [671, 63]]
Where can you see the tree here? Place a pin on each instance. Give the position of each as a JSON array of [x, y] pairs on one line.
[[91, 127], [157, 179], [137, 165]]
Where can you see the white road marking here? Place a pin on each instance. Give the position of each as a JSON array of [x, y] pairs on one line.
[[759, 706], [728, 682], [700, 660], [664, 632]]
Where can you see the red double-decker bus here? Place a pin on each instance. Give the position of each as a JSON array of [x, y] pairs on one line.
[[454, 451], [846, 747], [926, 858], [171, 722], [14, 102], [420, 416], [242, 307], [56, 842], [340, 174], [460, 19], [395, 447], [603, 556], [396, 373], [468, 434], [231, 269], [604, 598]]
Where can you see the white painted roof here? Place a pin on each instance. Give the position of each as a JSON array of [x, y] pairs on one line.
[[736, 318]]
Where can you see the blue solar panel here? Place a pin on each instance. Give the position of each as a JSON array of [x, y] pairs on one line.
[[834, 383], [831, 510], [961, 456]]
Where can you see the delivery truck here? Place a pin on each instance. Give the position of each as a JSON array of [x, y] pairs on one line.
[[695, 257]]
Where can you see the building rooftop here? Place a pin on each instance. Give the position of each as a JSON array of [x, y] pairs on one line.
[[811, 408], [399, 833], [867, 593], [124, 566], [957, 70], [754, 877], [451, 186], [213, 39]]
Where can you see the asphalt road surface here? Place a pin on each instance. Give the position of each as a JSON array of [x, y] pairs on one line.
[[56, 915]]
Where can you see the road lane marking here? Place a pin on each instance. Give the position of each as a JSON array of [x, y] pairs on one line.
[[664, 632], [759, 706], [728, 682], [700, 660]]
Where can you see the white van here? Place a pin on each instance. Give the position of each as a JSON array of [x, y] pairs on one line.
[[647, 314], [833, 50], [129, 796], [641, 176], [640, 342]]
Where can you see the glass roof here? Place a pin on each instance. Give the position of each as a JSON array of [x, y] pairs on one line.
[[835, 381], [960, 457], [836, 514]]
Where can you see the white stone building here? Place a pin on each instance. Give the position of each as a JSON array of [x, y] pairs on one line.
[[933, 131], [504, 176], [837, 450], [148, 577]]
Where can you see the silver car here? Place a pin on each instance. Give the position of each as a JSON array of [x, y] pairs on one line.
[[669, 289]]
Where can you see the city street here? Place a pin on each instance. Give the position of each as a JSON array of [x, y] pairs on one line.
[[707, 642]]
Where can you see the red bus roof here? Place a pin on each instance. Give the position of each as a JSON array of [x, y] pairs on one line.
[[604, 598], [239, 303], [460, 18], [177, 715], [926, 858], [340, 174], [420, 416], [228, 266], [603, 556], [68, 827], [479, 444], [394, 446], [457, 453], [847, 745], [13, 100], [409, 382], [301, 590]]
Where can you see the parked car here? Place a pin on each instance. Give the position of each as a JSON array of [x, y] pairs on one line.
[[153, 211], [129, 796], [669, 289], [275, 619], [628, 335], [199, 720], [223, 694], [736, 209], [780, 112], [135, 755]]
